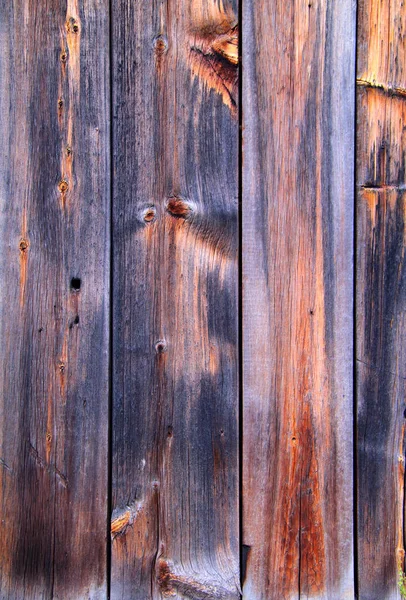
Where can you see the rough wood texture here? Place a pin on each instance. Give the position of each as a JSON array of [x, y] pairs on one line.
[[298, 205], [54, 266], [175, 379], [381, 297]]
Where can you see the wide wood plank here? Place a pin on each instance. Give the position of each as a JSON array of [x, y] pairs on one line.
[[381, 297], [297, 226], [54, 269], [175, 369]]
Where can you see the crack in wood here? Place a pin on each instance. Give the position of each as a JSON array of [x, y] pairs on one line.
[[50, 468], [5, 465], [382, 87], [380, 369], [172, 583]]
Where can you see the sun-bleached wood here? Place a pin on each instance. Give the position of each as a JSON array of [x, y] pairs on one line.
[[297, 274]]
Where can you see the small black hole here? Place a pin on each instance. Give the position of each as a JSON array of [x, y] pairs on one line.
[[404, 413], [75, 284]]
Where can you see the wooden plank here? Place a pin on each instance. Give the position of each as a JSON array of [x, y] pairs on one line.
[[175, 369], [381, 297], [297, 224], [54, 269]]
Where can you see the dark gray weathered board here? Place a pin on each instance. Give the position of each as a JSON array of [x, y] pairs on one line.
[[54, 307], [297, 226], [381, 297], [175, 512]]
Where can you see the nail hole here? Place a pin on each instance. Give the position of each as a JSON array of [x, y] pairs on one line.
[[311, 311], [64, 57], [404, 413], [60, 103], [72, 25], [293, 439], [160, 347], [75, 284], [221, 432], [170, 431], [68, 150]]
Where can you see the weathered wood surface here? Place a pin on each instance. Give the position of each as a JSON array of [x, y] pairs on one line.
[[297, 225], [175, 514], [54, 231], [381, 296]]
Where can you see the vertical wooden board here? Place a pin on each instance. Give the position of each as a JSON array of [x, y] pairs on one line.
[[297, 226], [381, 297], [175, 369], [54, 269]]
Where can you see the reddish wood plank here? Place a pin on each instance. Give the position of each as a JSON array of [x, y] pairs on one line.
[[297, 224]]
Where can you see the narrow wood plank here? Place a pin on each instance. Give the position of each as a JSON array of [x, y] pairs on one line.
[[297, 224], [54, 269], [381, 297], [175, 369]]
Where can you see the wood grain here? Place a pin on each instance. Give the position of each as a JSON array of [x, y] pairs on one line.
[[297, 224], [381, 297], [54, 270], [175, 369]]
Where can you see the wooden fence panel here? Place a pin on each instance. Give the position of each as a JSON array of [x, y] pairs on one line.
[[381, 297], [54, 269], [297, 225], [175, 515]]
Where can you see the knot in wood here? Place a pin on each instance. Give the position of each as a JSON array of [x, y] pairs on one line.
[[178, 207], [160, 45], [63, 186], [161, 347], [149, 214]]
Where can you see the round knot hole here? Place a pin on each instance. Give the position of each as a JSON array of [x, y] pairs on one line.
[[161, 347], [149, 214]]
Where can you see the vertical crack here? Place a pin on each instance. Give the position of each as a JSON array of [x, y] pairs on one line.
[[110, 304], [243, 549]]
